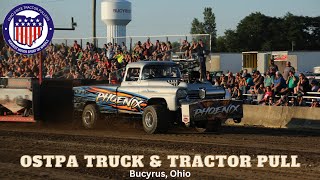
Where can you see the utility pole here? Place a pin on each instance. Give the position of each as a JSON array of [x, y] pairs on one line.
[[94, 4], [293, 43]]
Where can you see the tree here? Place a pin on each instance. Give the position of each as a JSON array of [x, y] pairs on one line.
[[221, 44], [232, 41], [197, 27], [252, 31], [208, 26]]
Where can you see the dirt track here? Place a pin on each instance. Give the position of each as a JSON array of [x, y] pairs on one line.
[[32, 139]]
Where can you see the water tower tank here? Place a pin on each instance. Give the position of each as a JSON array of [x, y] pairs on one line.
[[116, 14]]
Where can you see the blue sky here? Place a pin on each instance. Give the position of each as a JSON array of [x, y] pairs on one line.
[[155, 17]]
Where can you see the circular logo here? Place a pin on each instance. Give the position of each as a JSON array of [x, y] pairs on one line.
[[28, 28]]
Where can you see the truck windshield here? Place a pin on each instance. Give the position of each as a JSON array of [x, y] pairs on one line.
[[163, 71]]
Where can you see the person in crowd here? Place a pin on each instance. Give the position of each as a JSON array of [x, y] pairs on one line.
[[185, 46], [236, 93], [303, 85], [260, 90], [230, 80], [257, 80], [201, 51], [278, 83], [287, 69], [314, 86], [273, 68], [223, 80], [244, 73], [268, 94], [268, 79], [314, 103], [300, 101], [270, 101], [124, 47], [291, 82], [283, 101], [243, 85], [208, 76], [76, 46], [237, 78], [192, 49], [250, 83]]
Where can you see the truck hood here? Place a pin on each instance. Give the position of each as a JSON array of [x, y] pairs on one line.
[[178, 83], [166, 82]]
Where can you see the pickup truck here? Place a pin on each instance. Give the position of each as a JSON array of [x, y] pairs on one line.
[[155, 91]]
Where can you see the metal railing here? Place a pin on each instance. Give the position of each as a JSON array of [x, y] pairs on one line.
[[130, 41]]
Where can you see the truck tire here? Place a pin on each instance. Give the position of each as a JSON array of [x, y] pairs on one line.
[[209, 126], [155, 120], [90, 116]]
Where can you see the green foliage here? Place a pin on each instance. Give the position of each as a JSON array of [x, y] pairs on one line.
[[258, 32], [175, 45], [208, 26]]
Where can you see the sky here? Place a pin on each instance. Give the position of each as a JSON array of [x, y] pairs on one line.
[[163, 17]]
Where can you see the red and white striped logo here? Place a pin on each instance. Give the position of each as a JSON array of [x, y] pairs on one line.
[[27, 30]]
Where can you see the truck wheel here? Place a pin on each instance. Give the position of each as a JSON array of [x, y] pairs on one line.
[[90, 116], [155, 120], [208, 126]]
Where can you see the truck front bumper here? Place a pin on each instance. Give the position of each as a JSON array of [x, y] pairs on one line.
[[206, 110]]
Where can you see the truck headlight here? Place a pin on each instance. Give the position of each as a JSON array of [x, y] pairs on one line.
[[181, 93], [202, 93]]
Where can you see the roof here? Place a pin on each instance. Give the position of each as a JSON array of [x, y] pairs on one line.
[[141, 64]]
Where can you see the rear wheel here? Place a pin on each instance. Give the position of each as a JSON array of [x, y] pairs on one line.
[[90, 116], [155, 120], [208, 126]]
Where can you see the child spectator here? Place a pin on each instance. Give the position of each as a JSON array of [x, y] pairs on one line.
[[268, 94]]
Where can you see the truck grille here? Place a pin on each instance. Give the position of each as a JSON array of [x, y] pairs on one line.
[[195, 95]]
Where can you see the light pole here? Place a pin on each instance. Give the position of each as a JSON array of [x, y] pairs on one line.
[[94, 4]]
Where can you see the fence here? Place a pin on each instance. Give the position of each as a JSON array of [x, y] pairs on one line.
[[130, 41]]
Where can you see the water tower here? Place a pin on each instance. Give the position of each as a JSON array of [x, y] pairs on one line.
[[116, 14]]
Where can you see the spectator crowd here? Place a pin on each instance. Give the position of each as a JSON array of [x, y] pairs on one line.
[[90, 62], [272, 88], [76, 62]]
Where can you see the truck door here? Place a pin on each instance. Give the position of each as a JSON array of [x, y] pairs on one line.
[[128, 90], [131, 81]]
